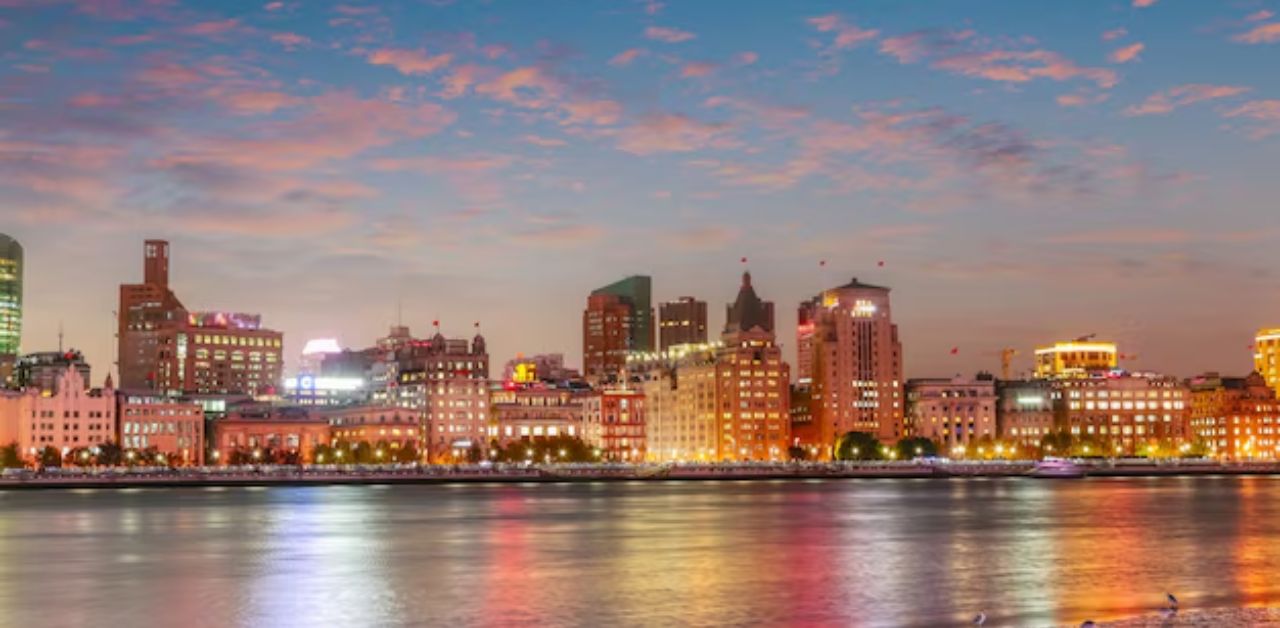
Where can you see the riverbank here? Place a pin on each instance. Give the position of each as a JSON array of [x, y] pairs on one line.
[[1199, 619], [525, 474]]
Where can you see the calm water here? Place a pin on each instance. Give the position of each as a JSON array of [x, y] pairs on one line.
[[840, 553]]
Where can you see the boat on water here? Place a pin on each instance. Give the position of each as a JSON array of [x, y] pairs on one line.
[[1057, 468]]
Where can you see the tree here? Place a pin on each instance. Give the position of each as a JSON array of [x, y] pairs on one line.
[[916, 447], [322, 454], [407, 454], [50, 457], [858, 446], [363, 453], [11, 457], [553, 449], [110, 454]]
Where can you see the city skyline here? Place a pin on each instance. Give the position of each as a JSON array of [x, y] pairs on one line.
[[1018, 175]]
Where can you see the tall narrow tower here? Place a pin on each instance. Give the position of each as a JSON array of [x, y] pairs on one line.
[[10, 295]]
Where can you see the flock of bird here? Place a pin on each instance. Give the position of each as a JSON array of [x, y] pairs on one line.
[[1168, 613]]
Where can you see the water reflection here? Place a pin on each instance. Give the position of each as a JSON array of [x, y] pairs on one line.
[[863, 552]]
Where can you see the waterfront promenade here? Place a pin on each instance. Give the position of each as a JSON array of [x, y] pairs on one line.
[[272, 475]]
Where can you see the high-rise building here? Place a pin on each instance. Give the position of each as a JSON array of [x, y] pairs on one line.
[[1266, 357], [952, 412], [1236, 417], [145, 309], [725, 401], [681, 322], [850, 355], [637, 291], [1076, 358], [169, 349], [446, 381], [10, 296], [606, 325]]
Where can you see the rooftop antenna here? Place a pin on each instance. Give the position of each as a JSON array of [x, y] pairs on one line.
[[59, 336]]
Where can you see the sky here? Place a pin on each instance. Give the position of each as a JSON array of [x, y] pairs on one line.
[[1017, 172]]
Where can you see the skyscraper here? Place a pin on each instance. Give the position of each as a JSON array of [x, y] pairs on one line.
[[848, 348], [637, 291], [10, 295], [683, 321], [606, 326], [144, 309]]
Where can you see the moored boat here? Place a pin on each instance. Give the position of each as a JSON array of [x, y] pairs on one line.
[[1057, 468]]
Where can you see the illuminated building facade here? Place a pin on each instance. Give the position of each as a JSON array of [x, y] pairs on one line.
[[256, 428], [1025, 411], [70, 416], [613, 423], [321, 391], [952, 412], [525, 413], [42, 371], [543, 367], [165, 347], [386, 429], [636, 291], [1236, 417], [10, 296], [725, 401], [606, 340], [852, 359], [1077, 358], [447, 382], [1266, 357], [172, 428], [1130, 413], [681, 322]]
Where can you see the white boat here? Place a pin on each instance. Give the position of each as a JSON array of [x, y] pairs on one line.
[[1057, 468]]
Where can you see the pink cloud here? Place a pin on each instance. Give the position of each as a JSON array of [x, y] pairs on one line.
[[1259, 16], [668, 35], [697, 69], [544, 142], [1127, 53], [254, 223], [472, 177], [963, 53], [1114, 34], [531, 87], [558, 235], [290, 40], [1142, 4], [848, 34], [671, 133], [625, 57], [273, 6], [1180, 96], [255, 102], [746, 58], [1265, 112], [1125, 236], [1081, 99], [409, 62], [334, 126], [211, 28], [1262, 34], [457, 82]]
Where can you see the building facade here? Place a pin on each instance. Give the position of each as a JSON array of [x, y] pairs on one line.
[[1025, 411], [606, 341], [1128, 414], [1236, 417], [636, 291], [386, 429], [952, 412], [42, 371], [1077, 358], [682, 322], [526, 413], [73, 417], [613, 423], [1266, 357], [851, 357], [172, 428], [10, 296], [254, 431]]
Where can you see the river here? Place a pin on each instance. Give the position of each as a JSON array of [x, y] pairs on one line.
[[814, 553]]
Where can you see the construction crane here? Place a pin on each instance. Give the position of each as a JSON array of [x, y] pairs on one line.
[[1006, 360]]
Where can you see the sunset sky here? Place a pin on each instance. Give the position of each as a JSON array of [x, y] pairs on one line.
[[1027, 171]]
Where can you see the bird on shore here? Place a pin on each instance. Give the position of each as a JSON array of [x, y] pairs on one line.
[[1173, 601], [980, 619]]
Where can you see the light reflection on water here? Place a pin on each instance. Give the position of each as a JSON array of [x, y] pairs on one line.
[[839, 553]]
